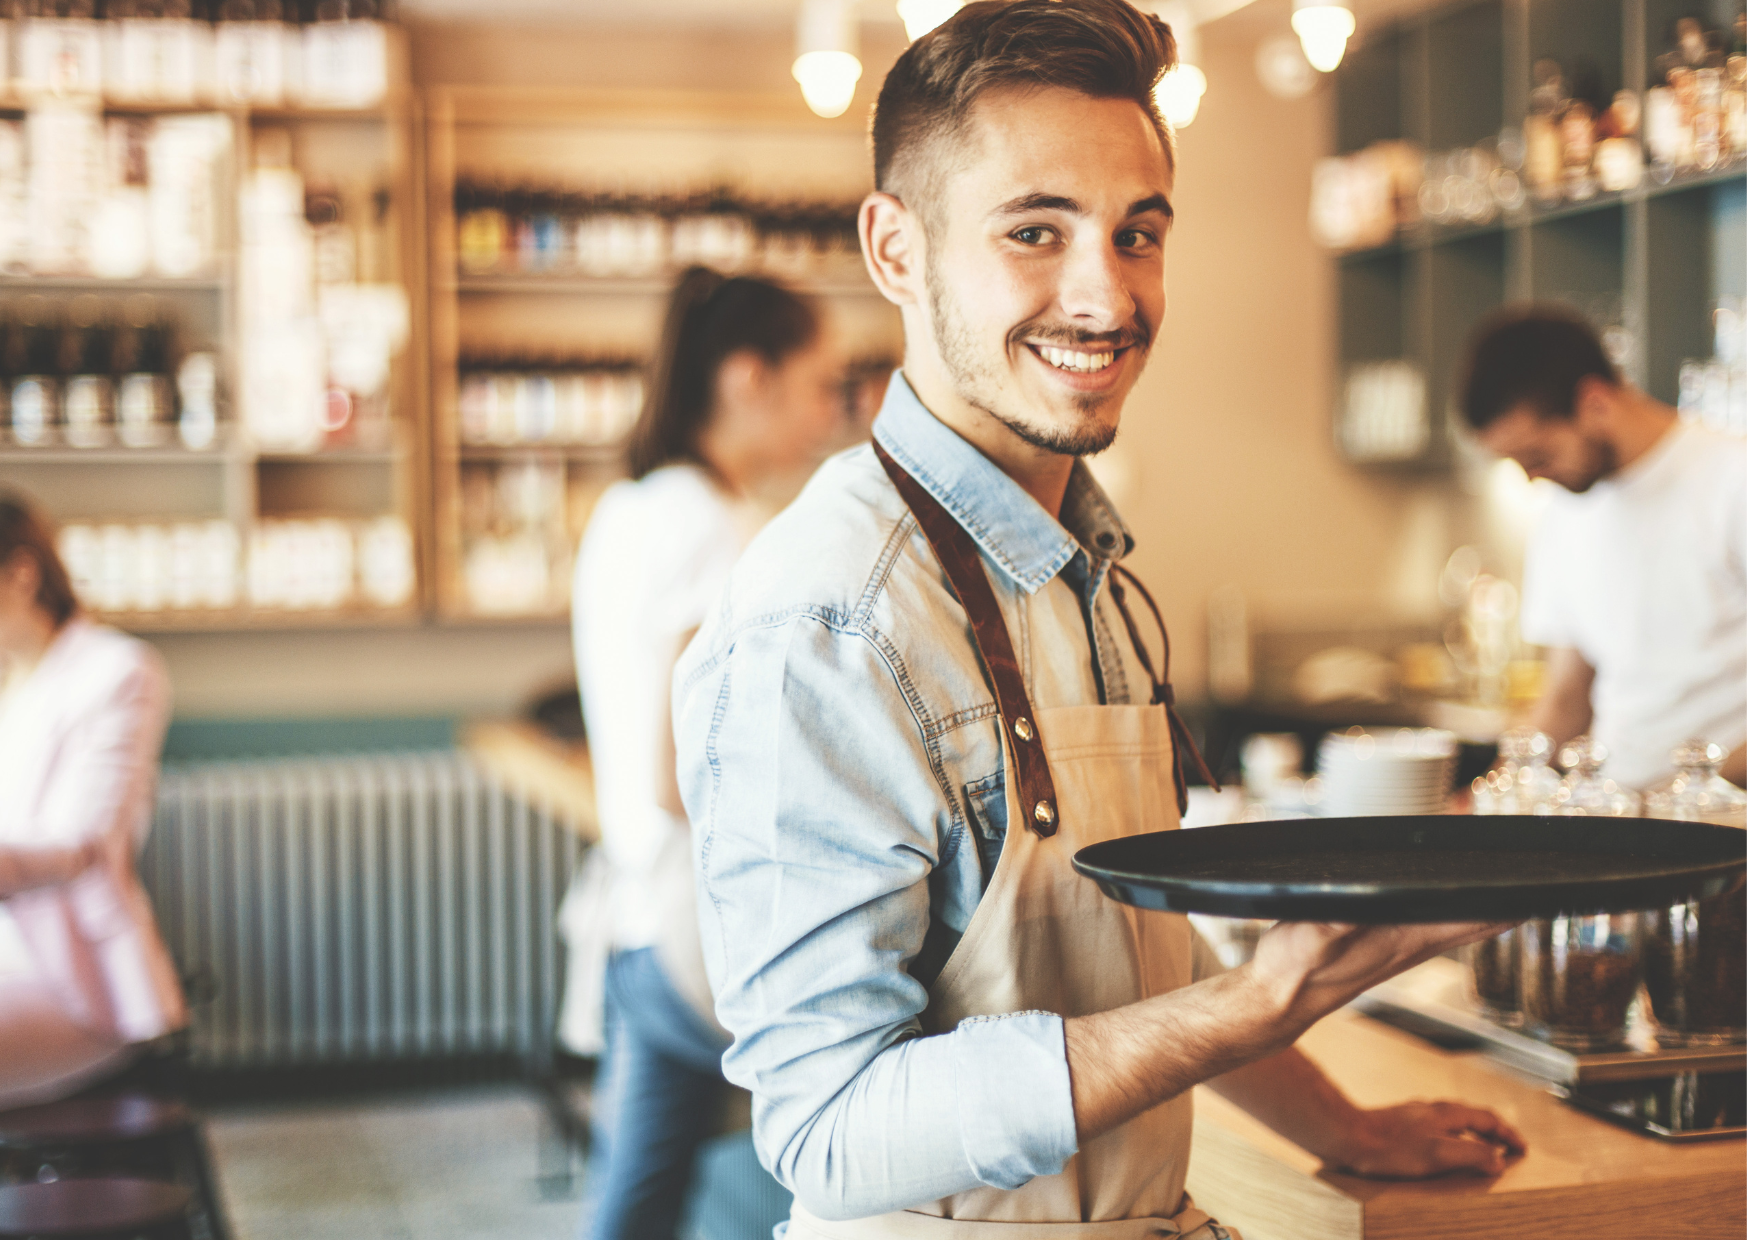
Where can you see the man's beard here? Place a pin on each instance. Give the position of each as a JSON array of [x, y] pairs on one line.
[[975, 382]]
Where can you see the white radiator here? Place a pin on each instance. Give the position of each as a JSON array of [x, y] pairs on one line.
[[359, 908]]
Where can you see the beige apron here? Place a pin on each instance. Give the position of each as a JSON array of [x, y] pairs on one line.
[[1045, 939]]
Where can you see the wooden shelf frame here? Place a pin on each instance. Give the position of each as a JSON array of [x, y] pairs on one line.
[[460, 302], [1455, 76], [75, 482]]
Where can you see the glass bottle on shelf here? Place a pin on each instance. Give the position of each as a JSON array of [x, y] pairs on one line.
[[482, 229], [1694, 958], [60, 49], [36, 387], [1544, 159], [145, 400], [89, 398], [345, 55], [197, 388], [252, 52]]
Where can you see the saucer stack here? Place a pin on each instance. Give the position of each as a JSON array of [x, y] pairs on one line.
[[1403, 771]]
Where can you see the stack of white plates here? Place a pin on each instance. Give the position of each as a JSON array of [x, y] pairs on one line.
[[1406, 771]]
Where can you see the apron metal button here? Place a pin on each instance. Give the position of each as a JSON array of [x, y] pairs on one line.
[[1023, 728], [1045, 813]]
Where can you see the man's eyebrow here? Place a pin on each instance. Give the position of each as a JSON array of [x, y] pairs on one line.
[[1056, 202], [1153, 202]]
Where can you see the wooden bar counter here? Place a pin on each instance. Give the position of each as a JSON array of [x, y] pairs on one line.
[[1583, 1177]]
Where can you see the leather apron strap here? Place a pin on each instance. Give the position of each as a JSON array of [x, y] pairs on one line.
[[989, 632], [963, 563]]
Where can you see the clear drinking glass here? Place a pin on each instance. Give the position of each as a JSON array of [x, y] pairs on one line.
[[1694, 958]]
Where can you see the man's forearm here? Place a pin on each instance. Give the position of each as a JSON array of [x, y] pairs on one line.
[[1130, 1059], [1291, 1095], [1124, 1061]]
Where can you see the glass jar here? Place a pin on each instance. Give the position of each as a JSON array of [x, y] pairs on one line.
[[1577, 978], [1493, 978], [1586, 791], [1694, 956]]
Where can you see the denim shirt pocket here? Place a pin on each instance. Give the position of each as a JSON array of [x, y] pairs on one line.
[[987, 801]]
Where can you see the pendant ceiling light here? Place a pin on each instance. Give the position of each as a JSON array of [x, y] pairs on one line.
[[1323, 31], [921, 16], [1179, 93], [825, 56]]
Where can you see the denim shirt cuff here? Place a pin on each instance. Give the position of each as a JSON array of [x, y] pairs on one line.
[[1016, 1111]]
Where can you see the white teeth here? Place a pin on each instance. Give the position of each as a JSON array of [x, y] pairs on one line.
[[1069, 359]]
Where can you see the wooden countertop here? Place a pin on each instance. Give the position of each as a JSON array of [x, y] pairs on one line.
[[1582, 1178], [555, 774]]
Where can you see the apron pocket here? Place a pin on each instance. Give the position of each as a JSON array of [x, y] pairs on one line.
[[986, 800]]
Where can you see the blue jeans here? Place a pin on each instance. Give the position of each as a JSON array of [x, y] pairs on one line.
[[658, 1101]]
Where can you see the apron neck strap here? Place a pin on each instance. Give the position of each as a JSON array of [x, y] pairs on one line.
[[989, 633], [1163, 695]]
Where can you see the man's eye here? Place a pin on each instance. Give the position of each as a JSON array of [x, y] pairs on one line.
[[1135, 238], [1036, 235]]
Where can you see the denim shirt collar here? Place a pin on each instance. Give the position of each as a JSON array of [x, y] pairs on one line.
[[1008, 525]]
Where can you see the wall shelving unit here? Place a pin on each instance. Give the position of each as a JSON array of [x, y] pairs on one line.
[[233, 479], [1653, 259], [596, 141]]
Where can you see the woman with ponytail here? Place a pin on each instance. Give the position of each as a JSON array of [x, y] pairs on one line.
[[744, 397]]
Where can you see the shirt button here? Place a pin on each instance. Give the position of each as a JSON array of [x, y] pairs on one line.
[[1045, 813], [1023, 728]]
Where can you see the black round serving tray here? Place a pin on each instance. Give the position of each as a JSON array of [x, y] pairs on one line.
[[1383, 870]]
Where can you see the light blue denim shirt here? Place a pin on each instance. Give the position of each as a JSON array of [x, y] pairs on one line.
[[841, 765]]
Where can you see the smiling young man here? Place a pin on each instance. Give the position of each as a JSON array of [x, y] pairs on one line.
[[925, 689]]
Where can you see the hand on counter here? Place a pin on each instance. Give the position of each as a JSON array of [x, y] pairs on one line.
[[1419, 1139]]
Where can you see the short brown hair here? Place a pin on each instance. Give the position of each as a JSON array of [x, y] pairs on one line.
[[1534, 354], [22, 530], [1107, 49]]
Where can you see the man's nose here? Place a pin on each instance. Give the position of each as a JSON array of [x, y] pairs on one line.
[[1095, 290]]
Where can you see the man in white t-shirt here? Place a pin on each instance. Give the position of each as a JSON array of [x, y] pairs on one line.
[[1634, 578]]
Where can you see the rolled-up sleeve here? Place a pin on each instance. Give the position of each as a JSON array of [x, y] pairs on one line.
[[818, 818]]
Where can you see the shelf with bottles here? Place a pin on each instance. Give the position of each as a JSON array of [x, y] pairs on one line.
[[212, 573], [1582, 145], [168, 54], [520, 521], [582, 404], [117, 378], [534, 239]]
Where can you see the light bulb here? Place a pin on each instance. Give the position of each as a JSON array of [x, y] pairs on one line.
[[828, 81], [1323, 31], [921, 16], [1179, 94]]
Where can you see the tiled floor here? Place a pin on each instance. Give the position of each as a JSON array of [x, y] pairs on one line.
[[459, 1164]]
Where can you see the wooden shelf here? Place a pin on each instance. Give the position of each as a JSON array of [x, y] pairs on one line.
[[135, 284], [249, 618], [652, 286], [603, 453], [113, 456], [1428, 236]]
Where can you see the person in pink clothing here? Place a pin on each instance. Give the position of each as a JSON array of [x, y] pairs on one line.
[[84, 976]]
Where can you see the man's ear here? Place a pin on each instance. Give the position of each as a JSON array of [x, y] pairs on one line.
[[892, 248], [1594, 401]]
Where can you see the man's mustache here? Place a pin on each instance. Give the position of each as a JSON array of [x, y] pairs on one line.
[[1134, 336]]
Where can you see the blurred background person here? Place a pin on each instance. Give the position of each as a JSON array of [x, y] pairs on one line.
[[84, 977], [1634, 578], [745, 397]]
